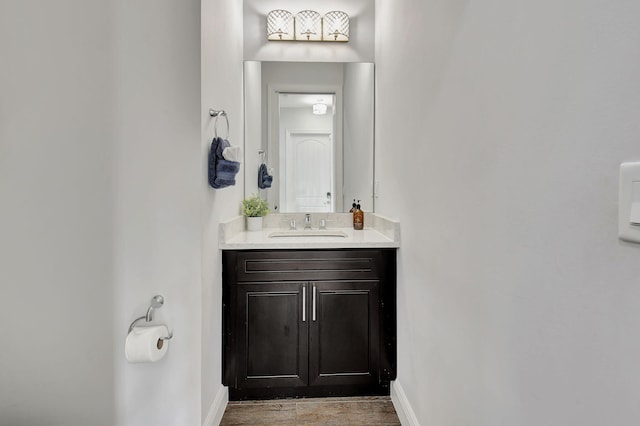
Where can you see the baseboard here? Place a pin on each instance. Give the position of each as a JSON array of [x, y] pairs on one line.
[[219, 404], [401, 404]]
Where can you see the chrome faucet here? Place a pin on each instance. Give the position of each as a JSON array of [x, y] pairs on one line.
[[307, 221]]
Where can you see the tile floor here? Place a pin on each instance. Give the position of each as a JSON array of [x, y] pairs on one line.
[[376, 410]]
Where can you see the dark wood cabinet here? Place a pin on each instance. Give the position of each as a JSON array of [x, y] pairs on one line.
[[273, 340], [308, 322], [344, 333]]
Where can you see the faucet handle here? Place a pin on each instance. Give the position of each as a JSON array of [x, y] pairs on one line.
[[323, 223], [292, 223]]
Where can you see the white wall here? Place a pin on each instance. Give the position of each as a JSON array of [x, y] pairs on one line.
[[159, 185], [359, 101], [517, 303], [360, 47], [221, 89], [253, 132], [56, 193], [101, 187]]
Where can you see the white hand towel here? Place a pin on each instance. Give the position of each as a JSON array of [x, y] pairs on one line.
[[232, 153]]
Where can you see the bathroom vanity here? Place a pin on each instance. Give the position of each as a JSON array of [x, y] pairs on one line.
[[299, 320]]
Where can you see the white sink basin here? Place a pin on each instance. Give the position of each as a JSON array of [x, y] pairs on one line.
[[309, 233]]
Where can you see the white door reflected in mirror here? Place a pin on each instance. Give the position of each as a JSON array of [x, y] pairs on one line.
[[307, 172], [307, 151]]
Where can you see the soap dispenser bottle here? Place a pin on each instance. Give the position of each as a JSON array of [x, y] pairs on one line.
[[353, 206], [358, 218]]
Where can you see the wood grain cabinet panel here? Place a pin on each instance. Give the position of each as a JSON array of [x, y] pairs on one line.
[[308, 322], [343, 338], [273, 343]]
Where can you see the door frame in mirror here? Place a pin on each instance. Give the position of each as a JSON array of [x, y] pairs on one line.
[[273, 138]]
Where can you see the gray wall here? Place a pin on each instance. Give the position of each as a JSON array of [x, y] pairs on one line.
[[157, 219], [517, 303], [101, 186], [221, 89], [359, 100], [56, 192]]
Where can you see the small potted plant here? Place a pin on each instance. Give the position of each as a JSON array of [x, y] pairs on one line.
[[254, 208]]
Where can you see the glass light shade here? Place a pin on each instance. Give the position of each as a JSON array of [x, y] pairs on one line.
[[319, 109], [280, 25], [308, 25], [335, 26]]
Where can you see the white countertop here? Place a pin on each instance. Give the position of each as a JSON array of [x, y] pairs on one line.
[[379, 232]]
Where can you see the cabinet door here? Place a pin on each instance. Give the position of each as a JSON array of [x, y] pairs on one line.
[[344, 333], [273, 335]]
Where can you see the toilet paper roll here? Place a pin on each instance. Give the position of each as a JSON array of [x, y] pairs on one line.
[[144, 344]]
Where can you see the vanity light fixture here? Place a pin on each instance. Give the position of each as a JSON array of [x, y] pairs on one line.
[[319, 109], [280, 25], [335, 26], [307, 25]]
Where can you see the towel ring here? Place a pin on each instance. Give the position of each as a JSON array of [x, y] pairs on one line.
[[217, 114]]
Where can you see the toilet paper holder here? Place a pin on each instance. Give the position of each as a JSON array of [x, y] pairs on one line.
[[156, 302]]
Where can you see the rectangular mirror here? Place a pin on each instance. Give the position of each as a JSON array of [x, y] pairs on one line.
[[311, 124]]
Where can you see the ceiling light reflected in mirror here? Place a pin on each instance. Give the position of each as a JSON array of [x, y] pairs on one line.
[[319, 109]]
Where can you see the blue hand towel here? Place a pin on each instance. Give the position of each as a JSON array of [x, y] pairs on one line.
[[264, 178], [222, 173]]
